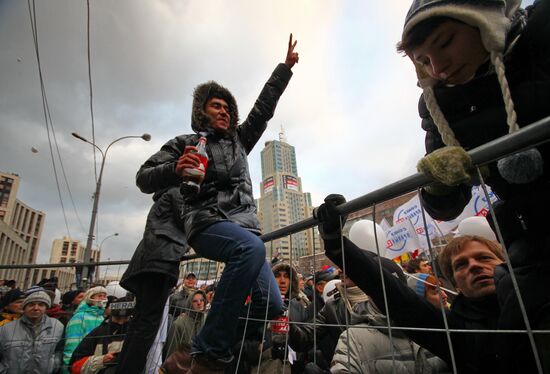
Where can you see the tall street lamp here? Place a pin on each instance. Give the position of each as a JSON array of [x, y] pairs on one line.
[[99, 249], [107, 237], [88, 250]]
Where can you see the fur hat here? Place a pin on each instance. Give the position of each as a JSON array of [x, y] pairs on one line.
[[204, 92], [293, 275], [38, 297], [93, 291], [493, 18]]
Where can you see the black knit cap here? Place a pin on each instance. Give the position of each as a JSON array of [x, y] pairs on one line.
[[11, 296], [69, 296]]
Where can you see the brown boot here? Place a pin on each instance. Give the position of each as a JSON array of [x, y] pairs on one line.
[[205, 365], [179, 362]]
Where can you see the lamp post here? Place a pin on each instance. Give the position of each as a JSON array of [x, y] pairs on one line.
[[107, 237], [88, 249]]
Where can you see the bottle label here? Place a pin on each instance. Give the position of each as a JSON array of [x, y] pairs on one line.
[[201, 169], [280, 325]]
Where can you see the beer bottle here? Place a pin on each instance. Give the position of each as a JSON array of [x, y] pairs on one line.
[[194, 176]]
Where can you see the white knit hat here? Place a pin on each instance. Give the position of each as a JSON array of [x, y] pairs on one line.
[[94, 291]]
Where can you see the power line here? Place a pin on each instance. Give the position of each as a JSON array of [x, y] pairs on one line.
[[49, 123], [91, 100], [91, 89]]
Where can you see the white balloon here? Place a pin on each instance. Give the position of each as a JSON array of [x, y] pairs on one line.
[[331, 285], [476, 225], [114, 289], [362, 235]]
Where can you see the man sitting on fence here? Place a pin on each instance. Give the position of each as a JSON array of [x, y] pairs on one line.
[[218, 220]]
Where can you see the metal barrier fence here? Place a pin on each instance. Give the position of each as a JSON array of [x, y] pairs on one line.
[[394, 344]]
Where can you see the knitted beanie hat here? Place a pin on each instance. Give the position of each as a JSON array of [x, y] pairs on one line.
[[418, 282], [11, 296], [493, 19], [69, 296], [38, 297], [93, 291]]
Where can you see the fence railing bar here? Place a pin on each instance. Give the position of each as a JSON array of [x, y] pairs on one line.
[[527, 137]]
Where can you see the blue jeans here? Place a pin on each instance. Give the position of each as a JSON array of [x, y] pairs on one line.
[[246, 272]]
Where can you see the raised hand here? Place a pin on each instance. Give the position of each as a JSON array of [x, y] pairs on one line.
[[291, 56], [330, 221]]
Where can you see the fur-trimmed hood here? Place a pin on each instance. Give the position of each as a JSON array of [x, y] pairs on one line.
[[294, 282], [204, 92]]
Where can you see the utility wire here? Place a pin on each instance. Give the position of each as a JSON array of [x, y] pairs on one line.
[[61, 164], [32, 16], [45, 99], [91, 104], [91, 90]]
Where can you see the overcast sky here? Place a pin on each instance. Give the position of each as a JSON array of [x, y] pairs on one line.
[[350, 109]]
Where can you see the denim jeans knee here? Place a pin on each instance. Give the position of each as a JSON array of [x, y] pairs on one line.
[[245, 269]]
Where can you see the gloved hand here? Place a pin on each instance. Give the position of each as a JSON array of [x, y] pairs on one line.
[[329, 217], [448, 166], [278, 344]]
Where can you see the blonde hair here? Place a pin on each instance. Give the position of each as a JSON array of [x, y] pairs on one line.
[[456, 246]]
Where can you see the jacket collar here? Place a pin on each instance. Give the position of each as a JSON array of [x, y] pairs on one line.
[[486, 308], [43, 323]]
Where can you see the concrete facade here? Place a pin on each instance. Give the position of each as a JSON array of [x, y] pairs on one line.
[[23, 221]]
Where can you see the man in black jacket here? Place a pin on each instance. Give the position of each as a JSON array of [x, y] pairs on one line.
[[219, 222], [97, 352], [470, 263]]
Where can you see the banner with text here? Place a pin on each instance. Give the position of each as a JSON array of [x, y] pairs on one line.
[[268, 184], [290, 182], [401, 238], [411, 210]]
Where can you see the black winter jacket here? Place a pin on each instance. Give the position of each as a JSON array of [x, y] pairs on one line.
[[474, 352], [103, 335], [225, 194]]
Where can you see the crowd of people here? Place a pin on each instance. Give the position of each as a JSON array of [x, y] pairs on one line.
[[45, 331], [327, 324], [484, 69], [83, 331]]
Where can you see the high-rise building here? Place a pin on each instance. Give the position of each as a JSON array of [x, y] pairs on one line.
[[22, 221], [67, 250], [282, 201]]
